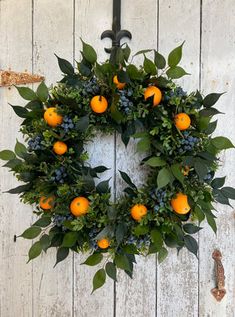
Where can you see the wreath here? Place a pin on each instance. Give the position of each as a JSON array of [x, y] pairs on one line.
[[75, 210]]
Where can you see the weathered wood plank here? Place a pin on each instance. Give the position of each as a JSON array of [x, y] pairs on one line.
[[136, 297], [218, 67], [177, 293], [15, 275], [91, 19], [52, 33]]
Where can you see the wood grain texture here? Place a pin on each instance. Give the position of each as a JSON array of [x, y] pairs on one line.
[[218, 67], [52, 33], [178, 275], [15, 275], [136, 297], [91, 19]]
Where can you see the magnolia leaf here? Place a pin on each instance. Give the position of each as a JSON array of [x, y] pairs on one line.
[[94, 259], [69, 239], [45, 241], [43, 222], [175, 56], [7, 155], [191, 244], [127, 179], [42, 92], [228, 192], [99, 279], [191, 228], [103, 187], [89, 53], [155, 161], [176, 72], [162, 254], [159, 60], [26, 93], [111, 271], [20, 149], [65, 66], [61, 255], [149, 66], [218, 182], [35, 250], [211, 99], [20, 111], [222, 143], [31, 232], [122, 262], [163, 178]]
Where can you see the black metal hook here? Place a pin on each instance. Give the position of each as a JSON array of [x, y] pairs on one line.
[[116, 34]]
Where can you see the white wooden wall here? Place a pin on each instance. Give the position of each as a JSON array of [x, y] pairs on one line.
[[30, 32]]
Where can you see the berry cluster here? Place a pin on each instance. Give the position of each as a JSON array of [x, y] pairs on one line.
[[208, 177], [67, 124], [90, 87], [159, 195], [139, 242], [60, 175], [125, 102], [188, 142], [59, 219], [35, 143]]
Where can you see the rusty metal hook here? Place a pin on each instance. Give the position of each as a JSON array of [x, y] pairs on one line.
[[219, 291]]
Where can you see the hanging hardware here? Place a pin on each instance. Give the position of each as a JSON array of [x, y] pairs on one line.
[[116, 34], [9, 78], [219, 291]]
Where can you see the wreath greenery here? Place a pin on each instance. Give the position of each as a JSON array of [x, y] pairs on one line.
[[173, 129]]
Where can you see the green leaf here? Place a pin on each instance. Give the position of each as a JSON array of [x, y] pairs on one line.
[[127, 179], [61, 255], [218, 182], [84, 69], [65, 66], [222, 143], [123, 77], [19, 189], [175, 56], [12, 164], [211, 99], [156, 238], [143, 52], [133, 72], [45, 242], [35, 250], [176, 171], [191, 228], [141, 230], [43, 222], [211, 222], [155, 161], [191, 244], [122, 262], [199, 214], [201, 169], [120, 232], [159, 60], [20, 111], [6, 155], [228, 192], [126, 52], [100, 169], [20, 149], [42, 92], [111, 270], [149, 66], [163, 178], [83, 124], [31, 232], [162, 254], [94, 259], [209, 112], [26, 93], [89, 53], [211, 127], [99, 279], [176, 72], [103, 187], [69, 239], [143, 145]]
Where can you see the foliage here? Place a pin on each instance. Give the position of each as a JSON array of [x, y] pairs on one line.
[[168, 152]]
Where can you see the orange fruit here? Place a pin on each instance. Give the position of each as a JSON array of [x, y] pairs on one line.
[[118, 84], [60, 147], [103, 243], [182, 121], [138, 211], [79, 206], [46, 202], [52, 118], [180, 204], [99, 104], [153, 91]]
